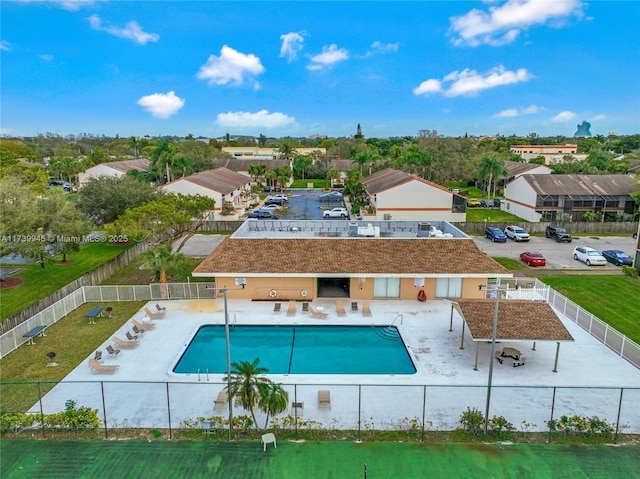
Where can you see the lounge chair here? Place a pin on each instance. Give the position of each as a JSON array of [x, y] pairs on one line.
[[366, 311], [96, 367], [292, 308], [222, 400], [152, 315], [317, 314], [132, 337], [160, 308], [143, 326], [125, 344], [276, 307], [354, 306], [113, 351], [137, 330], [98, 356], [340, 308], [305, 307], [324, 399]]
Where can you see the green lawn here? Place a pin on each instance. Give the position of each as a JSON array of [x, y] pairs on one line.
[[317, 183], [510, 264], [72, 338], [61, 459], [492, 215], [133, 274], [40, 282], [613, 299]]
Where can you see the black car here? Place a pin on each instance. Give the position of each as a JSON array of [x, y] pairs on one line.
[[262, 214], [275, 201], [558, 234], [487, 203]]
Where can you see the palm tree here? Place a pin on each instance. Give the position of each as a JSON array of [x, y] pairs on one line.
[[332, 175], [286, 150], [135, 144], [273, 400], [245, 384], [163, 261], [491, 168], [163, 158]]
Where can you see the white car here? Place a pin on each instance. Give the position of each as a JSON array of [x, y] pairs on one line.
[[516, 233], [282, 196], [336, 213], [271, 207], [589, 256]]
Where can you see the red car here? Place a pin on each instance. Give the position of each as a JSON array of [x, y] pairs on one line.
[[533, 258]]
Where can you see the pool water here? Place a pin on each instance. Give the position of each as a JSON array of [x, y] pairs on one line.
[[299, 350]]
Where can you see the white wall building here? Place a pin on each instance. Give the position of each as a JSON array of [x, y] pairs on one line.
[[113, 169]]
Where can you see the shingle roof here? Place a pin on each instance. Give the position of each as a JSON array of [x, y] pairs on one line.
[[384, 180], [517, 168], [583, 185], [517, 320], [141, 164], [350, 256], [222, 180]]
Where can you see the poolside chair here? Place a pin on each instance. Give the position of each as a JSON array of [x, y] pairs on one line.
[[98, 356], [137, 330], [160, 308], [354, 306], [305, 307], [317, 314], [132, 337], [324, 399], [292, 308], [113, 351], [221, 401], [152, 315], [340, 308], [143, 326], [125, 344], [96, 367], [366, 311], [276, 307]]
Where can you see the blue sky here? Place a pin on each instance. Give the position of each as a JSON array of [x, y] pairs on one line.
[[301, 68]]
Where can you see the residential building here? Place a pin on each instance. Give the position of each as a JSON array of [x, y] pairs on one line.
[[222, 185], [569, 197], [267, 153], [552, 154], [396, 195], [114, 169]]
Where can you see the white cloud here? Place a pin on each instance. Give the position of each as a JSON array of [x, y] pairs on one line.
[[47, 58], [330, 56], [70, 5], [599, 117], [230, 67], [132, 31], [469, 82], [564, 116], [260, 119], [378, 48], [291, 45], [161, 105], [428, 86], [5, 46], [512, 112], [503, 24]]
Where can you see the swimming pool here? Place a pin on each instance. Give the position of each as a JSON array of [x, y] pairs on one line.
[[299, 350]]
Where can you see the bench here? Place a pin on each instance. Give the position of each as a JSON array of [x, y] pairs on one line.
[[519, 362], [38, 330], [94, 313]]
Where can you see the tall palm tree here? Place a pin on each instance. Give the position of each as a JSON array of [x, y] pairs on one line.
[[332, 175], [135, 144], [273, 400], [491, 168], [163, 261], [286, 150], [163, 158], [245, 384]]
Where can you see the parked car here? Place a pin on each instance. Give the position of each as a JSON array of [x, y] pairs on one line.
[[262, 214], [271, 207], [283, 196], [495, 234], [516, 233], [486, 203], [274, 201], [66, 186], [497, 202], [473, 203], [336, 213], [533, 258], [589, 256], [332, 196], [558, 234], [617, 257]]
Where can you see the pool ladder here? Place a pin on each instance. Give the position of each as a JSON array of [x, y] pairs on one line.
[[206, 374], [390, 332]]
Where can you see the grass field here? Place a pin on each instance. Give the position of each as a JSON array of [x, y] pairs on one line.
[[492, 215], [132, 274], [40, 282], [613, 299], [63, 459]]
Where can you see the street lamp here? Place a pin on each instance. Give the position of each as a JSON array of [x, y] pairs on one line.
[[498, 291], [239, 282]]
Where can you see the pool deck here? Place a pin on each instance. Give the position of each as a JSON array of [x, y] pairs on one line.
[[137, 392]]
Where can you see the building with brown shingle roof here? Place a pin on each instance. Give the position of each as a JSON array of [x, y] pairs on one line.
[[114, 169]]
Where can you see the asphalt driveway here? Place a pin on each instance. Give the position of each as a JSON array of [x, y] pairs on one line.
[[306, 205]]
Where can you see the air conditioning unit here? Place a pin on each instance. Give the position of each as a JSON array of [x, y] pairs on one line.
[[387, 217]]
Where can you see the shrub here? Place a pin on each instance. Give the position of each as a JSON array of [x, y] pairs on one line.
[[472, 421], [581, 426], [630, 271]]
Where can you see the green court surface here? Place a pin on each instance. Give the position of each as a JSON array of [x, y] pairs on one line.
[[61, 459]]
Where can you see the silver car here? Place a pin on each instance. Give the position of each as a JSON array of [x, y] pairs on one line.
[[516, 233], [589, 256]]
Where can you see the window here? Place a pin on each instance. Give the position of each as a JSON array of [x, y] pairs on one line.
[[386, 287], [448, 287]]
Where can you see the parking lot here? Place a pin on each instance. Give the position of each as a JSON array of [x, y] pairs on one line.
[[306, 205], [559, 255]]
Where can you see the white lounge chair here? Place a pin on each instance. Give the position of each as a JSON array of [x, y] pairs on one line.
[[324, 399], [97, 367]]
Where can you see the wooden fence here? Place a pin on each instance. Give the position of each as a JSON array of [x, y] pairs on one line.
[[623, 228]]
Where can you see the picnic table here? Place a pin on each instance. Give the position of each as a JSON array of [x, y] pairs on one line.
[[511, 353], [94, 313], [38, 330]]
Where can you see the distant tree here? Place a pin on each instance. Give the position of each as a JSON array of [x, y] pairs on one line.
[[134, 143], [35, 177], [257, 170], [332, 175], [358, 135], [103, 199], [300, 164], [262, 140], [66, 168], [11, 151], [286, 150], [538, 160], [491, 169], [96, 156], [163, 158]]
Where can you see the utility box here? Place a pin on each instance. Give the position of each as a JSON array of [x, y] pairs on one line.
[[424, 230]]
